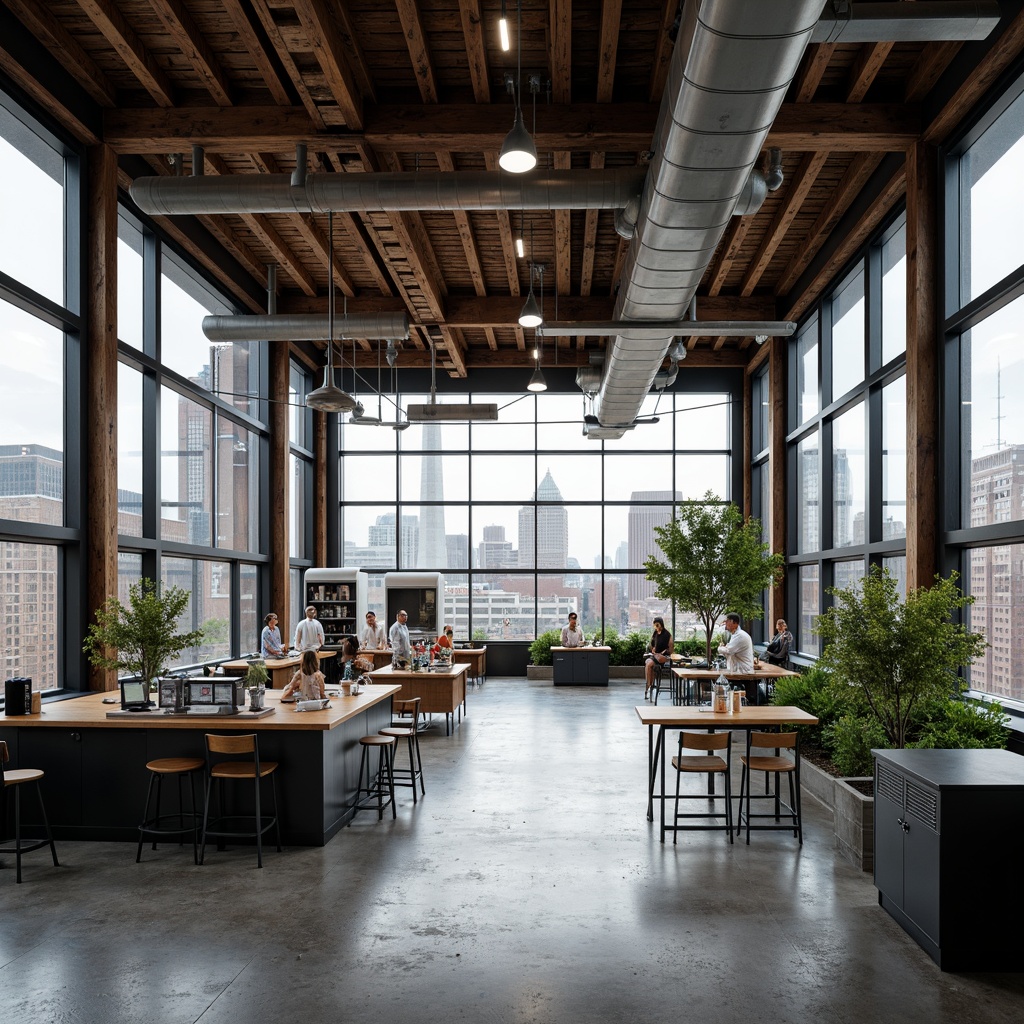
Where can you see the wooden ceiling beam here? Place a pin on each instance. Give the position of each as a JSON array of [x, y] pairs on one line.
[[259, 47], [608, 49], [809, 74], [123, 38], [865, 70], [800, 187], [261, 226], [453, 346], [879, 208], [465, 229], [65, 49], [932, 62], [419, 53], [560, 53], [590, 236], [280, 48], [728, 251], [326, 42], [662, 52], [473, 128], [476, 50], [308, 228], [563, 235], [194, 48], [861, 168]]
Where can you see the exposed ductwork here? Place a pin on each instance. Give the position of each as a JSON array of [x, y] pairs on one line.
[[611, 189], [843, 21], [730, 69], [306, 327]]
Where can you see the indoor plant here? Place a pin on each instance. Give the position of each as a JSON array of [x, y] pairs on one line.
[[140, 638], [714, 563]]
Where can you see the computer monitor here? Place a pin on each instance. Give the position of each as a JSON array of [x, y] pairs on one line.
[[134, 694]]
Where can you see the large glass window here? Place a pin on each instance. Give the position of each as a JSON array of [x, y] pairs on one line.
[[31, 209], [31, 614], [808, 379], [848, 482], [894, 294], [894, 459], [526, 531], [808, 504], [129, 284], [186, 471], [848, 335], [129, 451], [992, 227]]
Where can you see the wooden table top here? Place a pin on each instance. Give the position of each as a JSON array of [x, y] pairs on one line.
[[763, 671], [89, 712], [704, 718], [292, 661], [389, 672]]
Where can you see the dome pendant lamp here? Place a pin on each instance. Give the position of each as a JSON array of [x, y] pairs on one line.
[[518, 153]]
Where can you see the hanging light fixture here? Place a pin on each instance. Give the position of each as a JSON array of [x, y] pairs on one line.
[[530, 315], [503, 29], [329, 397], [518, 153]]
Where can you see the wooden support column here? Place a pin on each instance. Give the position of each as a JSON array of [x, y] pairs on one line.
[[320, 487], [777, 366], [922, 364], [278, 476], [100, 539]]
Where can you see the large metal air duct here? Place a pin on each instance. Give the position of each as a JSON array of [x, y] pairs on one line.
[[306, 327], [732, 63], [584, 189], [922, 21]]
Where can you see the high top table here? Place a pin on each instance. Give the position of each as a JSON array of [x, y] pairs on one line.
[[663, 718], [95, 784], [442, 692], [692, 677]]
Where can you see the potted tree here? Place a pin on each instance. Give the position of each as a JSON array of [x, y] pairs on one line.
[[141, 637], [714, 563]]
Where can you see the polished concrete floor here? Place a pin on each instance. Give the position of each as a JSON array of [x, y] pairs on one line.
[[527, 886]]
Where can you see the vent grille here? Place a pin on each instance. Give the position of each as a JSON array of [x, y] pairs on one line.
[[889, 784], [923, 804]]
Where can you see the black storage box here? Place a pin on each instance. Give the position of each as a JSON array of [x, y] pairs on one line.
[[18, 696]]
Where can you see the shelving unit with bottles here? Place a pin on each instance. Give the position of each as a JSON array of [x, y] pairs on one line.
[[339, 596]]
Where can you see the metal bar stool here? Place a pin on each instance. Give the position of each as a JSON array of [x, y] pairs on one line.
[[179, 767], [777, 765], [378, 782], [254, 770], [706, 763], [407, 714], [17, 778]]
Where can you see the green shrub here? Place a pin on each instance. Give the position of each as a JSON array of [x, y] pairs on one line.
[[850, 741], [959, 724], [815, 692], [696, 647], [540, 649], [634, 646]]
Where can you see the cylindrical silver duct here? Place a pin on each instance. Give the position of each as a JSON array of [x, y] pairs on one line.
[[921, 22], [732, 63], [391, 191], [753, 195], [306, 327]]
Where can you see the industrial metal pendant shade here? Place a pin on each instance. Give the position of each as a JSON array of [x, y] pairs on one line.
[[537, 381], [518, 153], [530, 315], [329, 397]]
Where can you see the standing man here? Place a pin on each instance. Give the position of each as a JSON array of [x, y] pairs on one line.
[[372, 637], [399, 637], [309, 634], [739, 651]]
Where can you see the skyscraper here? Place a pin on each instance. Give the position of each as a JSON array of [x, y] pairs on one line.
[[643, 518], [549, 530], [433, 549]]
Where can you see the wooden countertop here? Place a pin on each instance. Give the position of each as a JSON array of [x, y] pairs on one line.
[[89, 712], [389, 672]]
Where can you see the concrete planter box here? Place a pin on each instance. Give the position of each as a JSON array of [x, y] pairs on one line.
[[615, 672], [853, 814]]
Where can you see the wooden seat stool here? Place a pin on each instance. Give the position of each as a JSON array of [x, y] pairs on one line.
[[408, 719], [179, 767], [703, 764], [379, 782], [16, 779], [786, 817], [252, 770]]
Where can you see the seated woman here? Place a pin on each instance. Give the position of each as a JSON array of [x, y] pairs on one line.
[[777, 652], [658, 653], [308, 681], [349, 650], [444, 645]]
